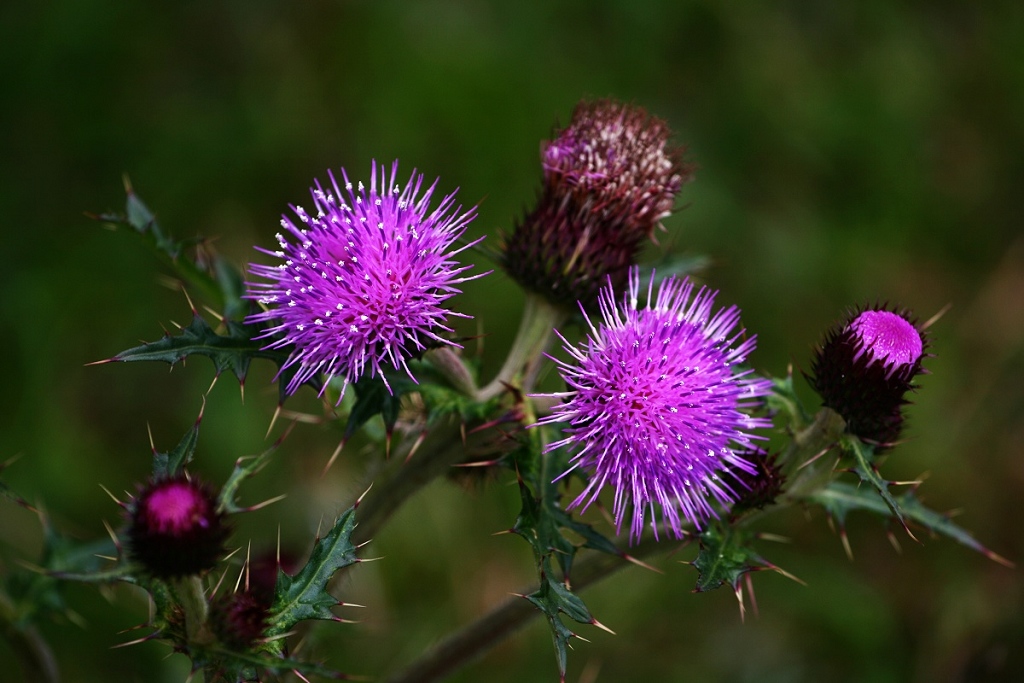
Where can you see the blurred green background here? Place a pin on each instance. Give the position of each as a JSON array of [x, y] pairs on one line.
[[848, 153]]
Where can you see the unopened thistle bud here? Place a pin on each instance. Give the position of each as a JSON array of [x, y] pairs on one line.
[[175, 528], [239, 619], [864, 369], [609, 179], [763, 485]]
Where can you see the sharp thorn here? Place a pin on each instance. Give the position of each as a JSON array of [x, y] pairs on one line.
[[334, 456]]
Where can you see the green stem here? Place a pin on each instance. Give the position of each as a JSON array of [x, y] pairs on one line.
[[398, 480], [33, 653], [401, 478], [473, 640], [812, 475], [536, 329], [192, 596]]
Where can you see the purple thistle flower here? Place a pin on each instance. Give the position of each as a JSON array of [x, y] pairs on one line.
[[610, 177], [655, 407], [363, 278], [175, 529], [864, 369]]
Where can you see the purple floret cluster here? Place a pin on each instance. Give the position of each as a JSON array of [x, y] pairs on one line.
[[363, 278], [655, 407]]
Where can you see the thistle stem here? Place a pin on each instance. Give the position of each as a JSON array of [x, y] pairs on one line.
[[536, 329], [193, 602], [473, 640], [812, 474], [33, 653], [401, 478]]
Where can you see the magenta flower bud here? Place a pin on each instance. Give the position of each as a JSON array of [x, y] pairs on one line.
[[362, 279], [609, 179], [175, 529], [656, 405], [864, 369], [239, 619]]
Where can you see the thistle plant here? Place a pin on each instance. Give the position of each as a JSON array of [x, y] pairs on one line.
[[655, 412]]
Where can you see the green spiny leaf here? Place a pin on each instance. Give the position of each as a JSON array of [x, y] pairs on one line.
[[864, 467], [244, 468], [553, 598], [305, 595], [206, 271], [441, 401], [68, 559], [541, 522], [232, 351], [840, 498], [167, 465], [373, 398], [226, 666], [39, 593], [725, 556]]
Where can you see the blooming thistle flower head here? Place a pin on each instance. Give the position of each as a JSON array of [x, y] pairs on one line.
[[865, 367], [609, 178], [175, 529], [655, 407], [363, 277]]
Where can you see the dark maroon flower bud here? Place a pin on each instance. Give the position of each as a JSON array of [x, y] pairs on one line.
[[609, 179], [239, 619], [175, 528], [762, 486], [261, 578], [864, 369]]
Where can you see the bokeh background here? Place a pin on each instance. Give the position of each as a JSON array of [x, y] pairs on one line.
[[848, 153]]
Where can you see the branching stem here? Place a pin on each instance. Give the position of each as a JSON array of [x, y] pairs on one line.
[[473, 640], [536, 329]]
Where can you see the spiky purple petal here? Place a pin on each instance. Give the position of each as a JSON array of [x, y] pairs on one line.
[[656, 401], [363, 278]]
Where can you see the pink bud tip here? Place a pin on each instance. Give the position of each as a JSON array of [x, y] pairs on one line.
[[888, 337]]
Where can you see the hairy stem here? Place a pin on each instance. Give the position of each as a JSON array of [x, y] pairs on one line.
[[812, 472]]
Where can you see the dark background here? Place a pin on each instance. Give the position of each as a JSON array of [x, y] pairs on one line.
[[848, 153]]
